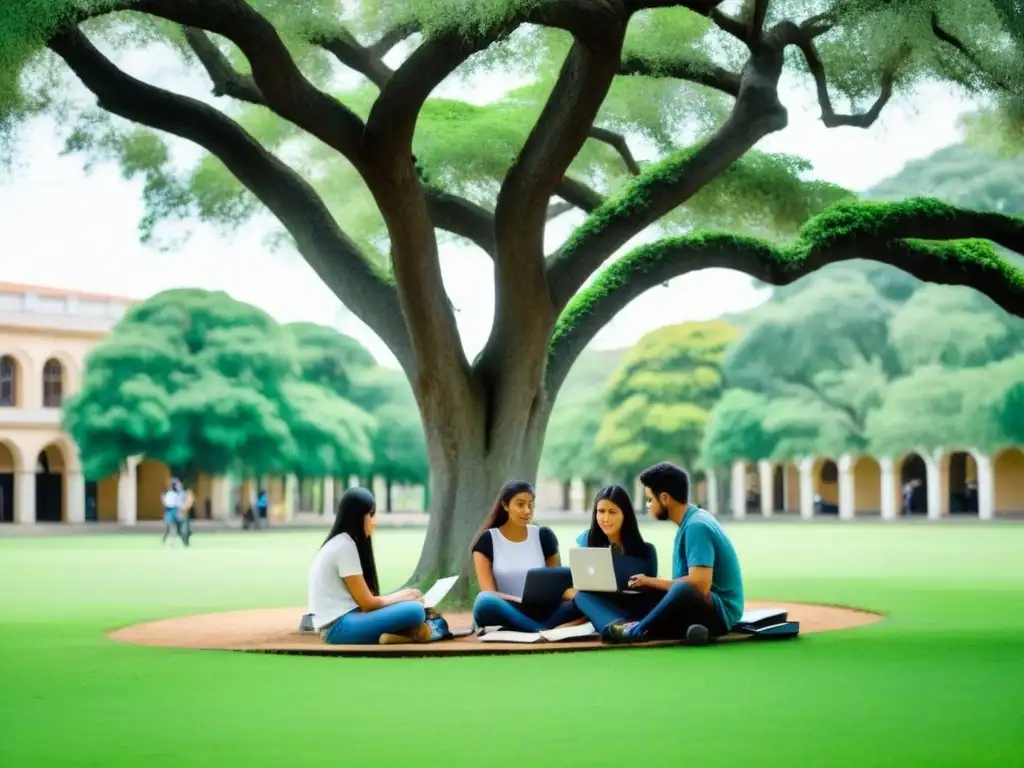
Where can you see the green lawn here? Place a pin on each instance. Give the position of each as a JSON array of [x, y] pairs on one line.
[[939, 682]]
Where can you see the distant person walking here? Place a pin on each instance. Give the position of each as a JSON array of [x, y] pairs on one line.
[[172, 500], [262, 503]]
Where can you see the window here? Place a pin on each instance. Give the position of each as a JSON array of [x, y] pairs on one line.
[[8, 381], [53, 384]]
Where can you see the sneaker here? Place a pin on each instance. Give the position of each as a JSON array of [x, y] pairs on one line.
[[620, 632], [697, 635]]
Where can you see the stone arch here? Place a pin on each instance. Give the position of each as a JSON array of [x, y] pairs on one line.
[[826, 486], [912, 470], [15, 370], [867, 486], [958, 470], [11, 463], [152, 478], [1007, 475], [51, 483]]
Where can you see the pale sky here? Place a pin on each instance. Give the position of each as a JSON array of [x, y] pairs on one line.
[[66, 228]]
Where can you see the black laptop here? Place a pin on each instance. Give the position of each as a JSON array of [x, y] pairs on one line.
[[545, 586]]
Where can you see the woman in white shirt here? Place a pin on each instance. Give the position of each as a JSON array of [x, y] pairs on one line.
[[344, 596], [507, 548]]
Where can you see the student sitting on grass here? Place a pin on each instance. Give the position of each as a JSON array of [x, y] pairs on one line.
[[704, 597], [613, 524], [344, 596], [507, 548]]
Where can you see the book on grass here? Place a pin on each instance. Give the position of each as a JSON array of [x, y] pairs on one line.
[[578, 632]]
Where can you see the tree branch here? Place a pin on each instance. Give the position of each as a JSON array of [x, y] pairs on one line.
[[663, 187], [393, 37], [559, 209], [617, 142], [701, 72], [951, 40], [285, 89], [755, 24], [461, 217], [579, 195], [933, 241], [346, 49], [828, 115], [226, 80], [334, 256]]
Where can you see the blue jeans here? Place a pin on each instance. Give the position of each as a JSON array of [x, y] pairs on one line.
[[358, 628], [490, 610], [660, 615]]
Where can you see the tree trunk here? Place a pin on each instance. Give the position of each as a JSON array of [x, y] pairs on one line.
[[464, 484], [388, 505]]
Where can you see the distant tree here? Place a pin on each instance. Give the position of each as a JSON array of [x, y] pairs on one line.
[[736, 430], [935, 407], [954, 328], [399, 446], [657, 402], [205, 383], [328, 358], [1011, 413], [570, 450], [827, 348]]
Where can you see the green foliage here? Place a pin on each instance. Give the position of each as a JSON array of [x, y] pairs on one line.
[[205, 383], [1011, 413], [736, 429], [400, 448], [658, 400]]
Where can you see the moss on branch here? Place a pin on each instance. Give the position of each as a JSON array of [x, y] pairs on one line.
[[885, 232]]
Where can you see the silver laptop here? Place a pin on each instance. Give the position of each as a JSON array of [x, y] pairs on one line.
[[592, 569]]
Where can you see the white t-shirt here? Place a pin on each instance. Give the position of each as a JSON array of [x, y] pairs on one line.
[[329, 598]]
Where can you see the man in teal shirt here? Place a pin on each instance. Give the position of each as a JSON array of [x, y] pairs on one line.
[[704, 598]]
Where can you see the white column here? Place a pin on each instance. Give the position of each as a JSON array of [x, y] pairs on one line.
[[577, 495], [888, 489], [766, 481], [806, 469], [353, 481], [76, 497], [291, 488], [328, 497], [25, 498], [221, 507], [711, 483], [128, 493], [847, 492], [934, 476], [986, 487], [738, 489]]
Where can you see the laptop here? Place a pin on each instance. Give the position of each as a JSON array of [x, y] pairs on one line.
[[439, 591], [545, 586], [593, 569]]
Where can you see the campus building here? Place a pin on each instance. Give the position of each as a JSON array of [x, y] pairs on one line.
[[45, 335], [936, 484]]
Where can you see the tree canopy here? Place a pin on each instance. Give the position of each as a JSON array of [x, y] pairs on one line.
[[333, 117], [205, 383]]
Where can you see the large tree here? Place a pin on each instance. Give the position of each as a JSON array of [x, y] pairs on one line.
[[596, 70]]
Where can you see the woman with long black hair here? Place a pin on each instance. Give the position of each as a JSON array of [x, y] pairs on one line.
[[344, 594], [613, 524], [507, 547]]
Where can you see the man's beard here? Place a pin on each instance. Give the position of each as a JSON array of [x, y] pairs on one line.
[[660, 513]]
